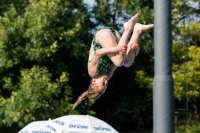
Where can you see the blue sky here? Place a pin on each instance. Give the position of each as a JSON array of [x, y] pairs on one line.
[[92, 2], [89, 2]]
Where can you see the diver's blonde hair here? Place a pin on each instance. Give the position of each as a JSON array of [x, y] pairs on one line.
[[91, 93]]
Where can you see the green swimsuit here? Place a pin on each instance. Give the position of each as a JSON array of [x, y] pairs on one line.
[[105, 62]]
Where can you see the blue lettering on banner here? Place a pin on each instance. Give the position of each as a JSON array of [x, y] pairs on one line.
[[40, 131], [102, 128], [51, 127], [59, 122], [78, 126]]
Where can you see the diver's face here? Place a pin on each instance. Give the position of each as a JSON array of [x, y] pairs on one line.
[[101, 82]]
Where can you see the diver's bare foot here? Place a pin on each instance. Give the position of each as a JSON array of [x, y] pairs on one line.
[[131, 22], [141, 27]]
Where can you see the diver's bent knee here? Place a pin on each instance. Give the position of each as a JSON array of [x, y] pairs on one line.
[[118, 64], [103, 34]]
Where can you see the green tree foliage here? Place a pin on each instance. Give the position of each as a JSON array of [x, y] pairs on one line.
[[193, 80], [42, 44], [188, 70], [185, 52]]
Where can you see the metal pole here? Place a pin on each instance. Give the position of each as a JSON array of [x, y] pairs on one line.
[[163, 93]]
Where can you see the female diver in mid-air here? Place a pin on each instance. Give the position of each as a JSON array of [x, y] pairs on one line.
[[108, 52]]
